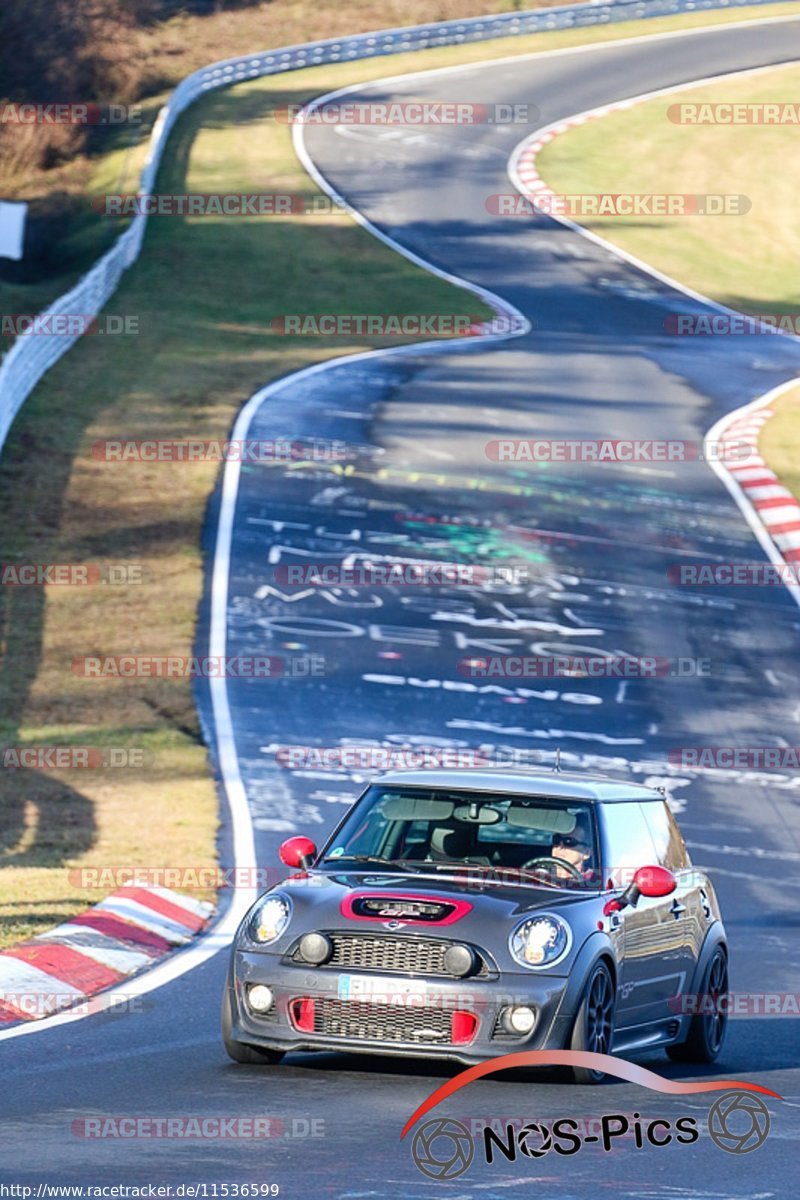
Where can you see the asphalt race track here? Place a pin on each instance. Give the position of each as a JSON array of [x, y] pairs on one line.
[[598, 542]]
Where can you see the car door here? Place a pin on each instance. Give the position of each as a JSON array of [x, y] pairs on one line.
[[651, 936], [690, 905]]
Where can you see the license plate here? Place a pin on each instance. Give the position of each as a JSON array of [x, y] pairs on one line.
[[386, 991]]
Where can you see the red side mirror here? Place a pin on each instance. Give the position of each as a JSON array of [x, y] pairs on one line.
[[654, 881], [298, 852]]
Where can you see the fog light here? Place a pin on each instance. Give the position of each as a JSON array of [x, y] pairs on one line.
[[260, 997], [315, 948], [521, 1019], [459, 960]]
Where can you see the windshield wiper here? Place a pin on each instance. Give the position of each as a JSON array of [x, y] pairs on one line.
[[371, 858]]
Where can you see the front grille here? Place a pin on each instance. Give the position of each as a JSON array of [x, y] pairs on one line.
[[395, 955], [382, 1022]]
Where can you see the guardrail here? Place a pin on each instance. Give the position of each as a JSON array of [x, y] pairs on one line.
[[30, 357]]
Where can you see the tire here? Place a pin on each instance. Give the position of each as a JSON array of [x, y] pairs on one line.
[[594, 1022], [707, 1030], [243, 1052]]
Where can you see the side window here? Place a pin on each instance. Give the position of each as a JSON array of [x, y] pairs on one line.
[[667, 837], [628, 843]]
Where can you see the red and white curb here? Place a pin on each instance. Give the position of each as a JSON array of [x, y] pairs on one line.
[[126, 932], [525, 166], [776, 506], [770, 509]]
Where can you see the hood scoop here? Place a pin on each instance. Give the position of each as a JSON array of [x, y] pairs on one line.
[[423, 910]]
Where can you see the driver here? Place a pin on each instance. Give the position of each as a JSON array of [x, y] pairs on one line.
[[575, 849]]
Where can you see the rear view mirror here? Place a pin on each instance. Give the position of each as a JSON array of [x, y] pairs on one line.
[[298, 852], [653, 882]]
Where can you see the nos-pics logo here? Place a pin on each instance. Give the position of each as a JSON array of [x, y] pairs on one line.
[[442, 1148]]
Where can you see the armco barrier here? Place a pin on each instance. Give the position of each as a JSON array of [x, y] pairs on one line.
[[28, 359]]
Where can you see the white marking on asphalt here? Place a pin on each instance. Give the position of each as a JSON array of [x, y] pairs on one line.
[[747, 852], [739, 876], [444, 455]]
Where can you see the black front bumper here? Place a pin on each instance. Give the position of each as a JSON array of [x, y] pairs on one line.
[[401, 1016]]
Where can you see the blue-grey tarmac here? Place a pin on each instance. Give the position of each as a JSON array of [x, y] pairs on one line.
[[598, 541]]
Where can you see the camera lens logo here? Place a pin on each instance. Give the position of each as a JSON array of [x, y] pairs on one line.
[[442, 1149], [528, 1136], [738, 1122]]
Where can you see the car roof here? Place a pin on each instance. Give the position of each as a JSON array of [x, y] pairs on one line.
[[554, 784]]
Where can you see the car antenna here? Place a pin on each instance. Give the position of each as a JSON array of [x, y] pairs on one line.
[[557, 763]]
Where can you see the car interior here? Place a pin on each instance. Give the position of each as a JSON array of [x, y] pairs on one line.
[[492, 832]]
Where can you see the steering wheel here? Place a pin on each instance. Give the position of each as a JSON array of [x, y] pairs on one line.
[[550, 859]]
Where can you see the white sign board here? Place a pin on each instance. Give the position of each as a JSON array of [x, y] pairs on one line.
[[12, 228]]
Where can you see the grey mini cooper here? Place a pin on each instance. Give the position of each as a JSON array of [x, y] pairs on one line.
[[464, 915]]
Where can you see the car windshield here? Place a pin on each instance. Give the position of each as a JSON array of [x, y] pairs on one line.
[[514, 837]]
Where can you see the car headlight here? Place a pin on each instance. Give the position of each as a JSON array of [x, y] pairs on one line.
[[269, 918], [540, 941]]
